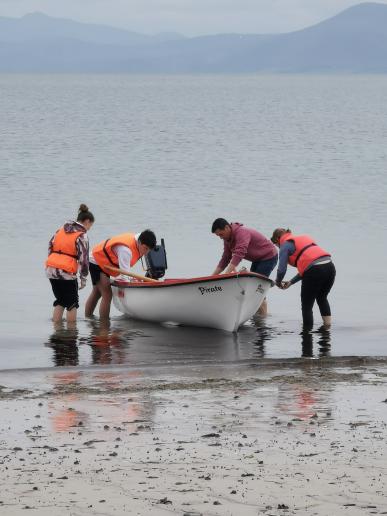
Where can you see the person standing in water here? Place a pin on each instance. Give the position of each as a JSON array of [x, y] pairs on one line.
[[109, 258], [315, 270], [242, 243], [68, 255]]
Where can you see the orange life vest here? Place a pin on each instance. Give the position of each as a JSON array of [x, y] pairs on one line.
[[104, 255], [307, 251], [64, 251]]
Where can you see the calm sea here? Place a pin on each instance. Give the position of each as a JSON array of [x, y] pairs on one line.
[[172, 153]]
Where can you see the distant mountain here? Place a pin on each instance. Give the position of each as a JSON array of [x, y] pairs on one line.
[[38, 26], [353, 41]]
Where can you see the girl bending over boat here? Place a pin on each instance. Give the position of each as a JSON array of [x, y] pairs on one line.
[[315, 270]]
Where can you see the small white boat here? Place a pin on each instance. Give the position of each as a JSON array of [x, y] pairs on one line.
[[224, 302]]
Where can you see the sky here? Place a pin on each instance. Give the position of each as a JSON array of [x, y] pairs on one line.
[[188, 17]]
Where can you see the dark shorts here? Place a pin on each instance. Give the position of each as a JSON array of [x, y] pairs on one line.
[[264, 267], [66, 293], [95, 273]]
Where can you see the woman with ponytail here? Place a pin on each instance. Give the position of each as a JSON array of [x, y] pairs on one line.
[[315, 271], [68, 255]]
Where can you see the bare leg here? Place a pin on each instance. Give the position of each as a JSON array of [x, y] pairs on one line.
[[262, 310], [327, 320], [106, 292], [58, 313], [92, 301], [58, 325], [71, 325], [71, 315]]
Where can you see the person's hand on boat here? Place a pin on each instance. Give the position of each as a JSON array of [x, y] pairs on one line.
[[230, 269]]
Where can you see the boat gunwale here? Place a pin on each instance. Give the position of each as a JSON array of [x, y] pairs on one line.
[[191, 281]]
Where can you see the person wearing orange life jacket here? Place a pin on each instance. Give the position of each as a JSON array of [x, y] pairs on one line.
[[68, 254], [315, 270], [119, 252]]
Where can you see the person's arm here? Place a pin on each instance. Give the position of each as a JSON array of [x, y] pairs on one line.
[[83, 258], [294, 280], [224, 261], [124, 256], [286, 284], [242, 241], [285, 251]]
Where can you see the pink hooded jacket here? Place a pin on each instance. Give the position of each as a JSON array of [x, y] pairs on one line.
[[247, 244]]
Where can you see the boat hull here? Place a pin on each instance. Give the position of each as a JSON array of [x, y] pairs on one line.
[[223, 302]]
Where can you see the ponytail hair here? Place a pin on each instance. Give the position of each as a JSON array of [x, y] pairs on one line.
[[84, 214]]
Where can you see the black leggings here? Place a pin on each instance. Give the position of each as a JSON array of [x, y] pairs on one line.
[[316, 285]]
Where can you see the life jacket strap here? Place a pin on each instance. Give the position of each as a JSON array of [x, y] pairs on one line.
[[107, 254], [66, 254], [302, 251]]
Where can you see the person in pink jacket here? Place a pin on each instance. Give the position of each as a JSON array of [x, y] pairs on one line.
[[242, 243]]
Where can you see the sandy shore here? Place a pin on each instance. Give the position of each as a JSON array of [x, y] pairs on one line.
[[301, 437]]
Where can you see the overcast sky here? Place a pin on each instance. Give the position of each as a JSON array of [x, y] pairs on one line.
[[189, 17]]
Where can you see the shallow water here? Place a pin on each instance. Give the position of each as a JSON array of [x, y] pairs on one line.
[[173, 153], [137, 343]]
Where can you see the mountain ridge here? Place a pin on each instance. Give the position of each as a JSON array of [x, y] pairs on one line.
[[354, 40]]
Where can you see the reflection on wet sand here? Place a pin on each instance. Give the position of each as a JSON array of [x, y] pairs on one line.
[[303, 401], [63, 415], [71, 409], [77, 411]]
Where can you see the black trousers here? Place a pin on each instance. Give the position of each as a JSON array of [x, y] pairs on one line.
[[316, 285]]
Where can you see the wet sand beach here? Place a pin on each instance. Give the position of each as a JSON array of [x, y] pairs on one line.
[[299, 436]]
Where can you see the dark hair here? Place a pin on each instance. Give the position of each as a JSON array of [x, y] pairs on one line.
[[277, 234], [219, 224], [148, 238], [84, 214]]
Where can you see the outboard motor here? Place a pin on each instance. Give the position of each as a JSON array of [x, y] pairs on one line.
[[156, 261]]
